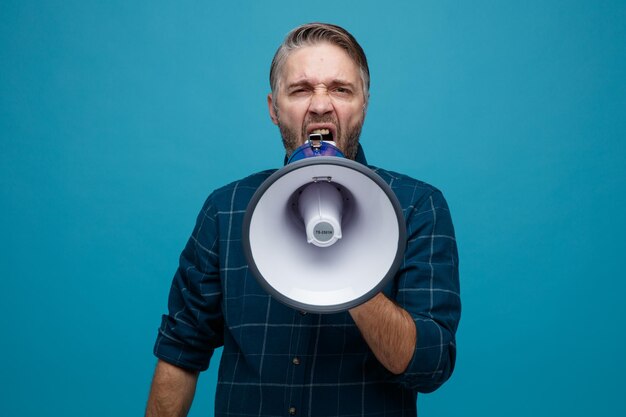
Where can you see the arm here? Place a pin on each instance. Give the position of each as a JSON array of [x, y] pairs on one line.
[[428, 289], [172, 391], [420, 357], [388, 330], [193, 328]]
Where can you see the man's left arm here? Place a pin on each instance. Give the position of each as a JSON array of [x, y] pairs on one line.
[[412, 332], [388, 330]]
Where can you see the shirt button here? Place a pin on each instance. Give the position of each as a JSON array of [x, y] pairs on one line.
[[296, 361], [292, 411]]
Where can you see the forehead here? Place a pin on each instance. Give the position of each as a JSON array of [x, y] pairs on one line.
[[319, 63]]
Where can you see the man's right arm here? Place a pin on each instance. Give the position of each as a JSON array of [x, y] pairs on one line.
[[172, 391]]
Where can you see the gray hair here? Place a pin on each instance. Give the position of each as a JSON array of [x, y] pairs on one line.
[[314, 33]]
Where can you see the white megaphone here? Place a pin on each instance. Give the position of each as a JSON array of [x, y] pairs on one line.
[[324, 233]]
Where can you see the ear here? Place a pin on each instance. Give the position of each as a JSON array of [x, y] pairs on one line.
[[272, 109], [367, 100]]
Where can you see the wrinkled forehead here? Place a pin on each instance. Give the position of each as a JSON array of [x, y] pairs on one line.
[[320, 63]]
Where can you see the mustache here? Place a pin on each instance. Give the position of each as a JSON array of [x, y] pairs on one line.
[[324, 118]]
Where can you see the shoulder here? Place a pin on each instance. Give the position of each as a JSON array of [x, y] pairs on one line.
[[237, 194], [423, 205], [410, 191]]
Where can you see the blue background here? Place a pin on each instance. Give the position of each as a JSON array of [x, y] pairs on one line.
[[118, 118]]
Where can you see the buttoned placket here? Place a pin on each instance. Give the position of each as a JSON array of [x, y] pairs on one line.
[[300, 342]]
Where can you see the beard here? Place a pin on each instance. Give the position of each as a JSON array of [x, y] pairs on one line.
[[347, 142]]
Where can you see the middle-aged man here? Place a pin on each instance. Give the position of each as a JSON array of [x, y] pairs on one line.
[[371, 360]]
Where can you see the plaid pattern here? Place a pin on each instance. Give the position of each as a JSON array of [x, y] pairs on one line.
[[278, 361]]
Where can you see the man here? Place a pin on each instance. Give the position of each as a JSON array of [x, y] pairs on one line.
[[277, 361]]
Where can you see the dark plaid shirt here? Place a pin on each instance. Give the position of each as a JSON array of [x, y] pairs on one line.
[[278, 361]]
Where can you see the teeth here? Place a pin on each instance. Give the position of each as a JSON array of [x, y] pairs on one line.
[[321, 131]]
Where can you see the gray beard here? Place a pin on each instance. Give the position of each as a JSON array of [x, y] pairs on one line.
[[347, 142]]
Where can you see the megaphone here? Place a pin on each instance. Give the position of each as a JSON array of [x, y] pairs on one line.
[[324, 233]]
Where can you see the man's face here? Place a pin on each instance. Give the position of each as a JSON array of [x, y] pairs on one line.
[[319, 91]]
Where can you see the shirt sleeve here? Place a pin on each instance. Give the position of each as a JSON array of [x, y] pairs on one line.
[[193, 328], [428, 288]]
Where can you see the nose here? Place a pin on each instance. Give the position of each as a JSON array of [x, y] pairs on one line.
[[320, 103]]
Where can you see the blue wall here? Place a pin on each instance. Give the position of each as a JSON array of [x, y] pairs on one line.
[[117, 119]]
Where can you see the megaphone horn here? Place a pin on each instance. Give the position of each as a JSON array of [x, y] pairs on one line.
[[324, 234]]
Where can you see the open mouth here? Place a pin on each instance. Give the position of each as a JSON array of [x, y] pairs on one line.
[[321, 134]]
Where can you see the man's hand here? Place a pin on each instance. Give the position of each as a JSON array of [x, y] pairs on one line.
[[389, 331], [172, 391]]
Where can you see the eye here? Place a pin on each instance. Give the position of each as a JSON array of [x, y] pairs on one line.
[[344, 91], [299, 91]]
